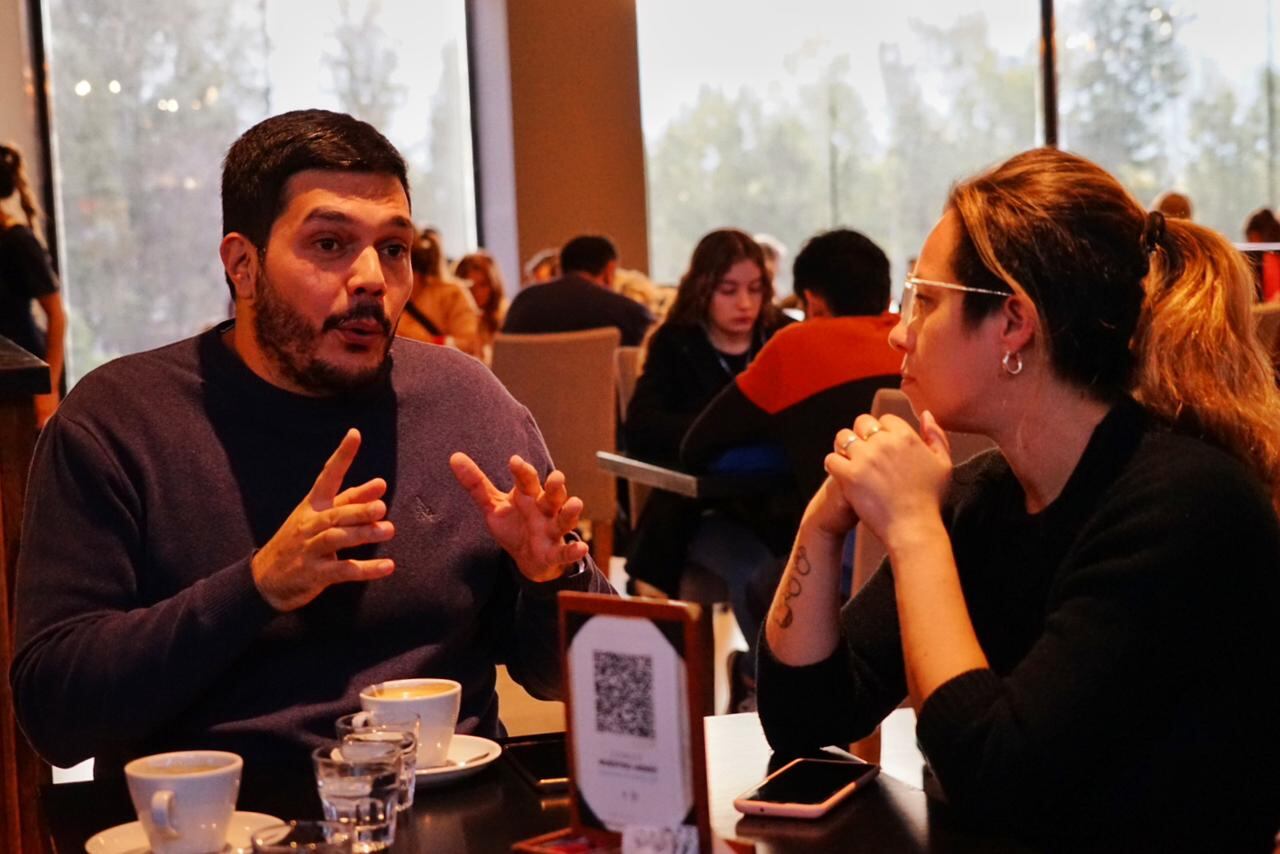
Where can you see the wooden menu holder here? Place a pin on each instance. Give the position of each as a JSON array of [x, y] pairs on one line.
[[686, 628]]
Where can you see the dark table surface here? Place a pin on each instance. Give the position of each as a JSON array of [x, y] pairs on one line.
[[495, 808], [20, 372]]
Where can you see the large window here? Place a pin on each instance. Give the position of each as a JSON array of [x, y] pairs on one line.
[[826, 113], [148, 94], [1174, 94]]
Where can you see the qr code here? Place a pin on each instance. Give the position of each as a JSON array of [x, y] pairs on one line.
[[624, 694]]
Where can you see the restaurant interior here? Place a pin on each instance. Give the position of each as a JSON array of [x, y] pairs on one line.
[[652, 122]]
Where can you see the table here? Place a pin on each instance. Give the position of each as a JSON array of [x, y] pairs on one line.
[[718, 485], [488, 812]]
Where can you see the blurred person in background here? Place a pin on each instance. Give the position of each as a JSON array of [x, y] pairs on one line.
[[583, 298], [637, 287], [1173, 204], [722, 316], [481, 271], [542, 267], [25, 276], [440, 309], [1262, 227]]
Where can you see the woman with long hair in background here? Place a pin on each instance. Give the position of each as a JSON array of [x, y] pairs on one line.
[[26, 275], [480, 270]]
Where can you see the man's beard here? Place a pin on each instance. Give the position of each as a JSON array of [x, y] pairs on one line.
[[290, 343]]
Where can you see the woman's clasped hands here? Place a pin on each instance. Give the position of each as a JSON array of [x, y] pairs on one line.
[[887, 474]]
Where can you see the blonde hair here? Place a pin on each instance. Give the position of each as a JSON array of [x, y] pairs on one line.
[[1203, 366]]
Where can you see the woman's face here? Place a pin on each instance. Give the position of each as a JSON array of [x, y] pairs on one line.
[[737, 300], [947, 367], [481, 290]]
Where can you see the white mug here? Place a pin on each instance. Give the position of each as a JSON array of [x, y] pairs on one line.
[[185, 799], [434, 701]]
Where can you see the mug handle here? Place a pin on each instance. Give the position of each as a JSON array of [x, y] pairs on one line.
[[162, 812], [362, 719]]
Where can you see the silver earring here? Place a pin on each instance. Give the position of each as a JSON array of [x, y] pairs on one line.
[[1012, 363]]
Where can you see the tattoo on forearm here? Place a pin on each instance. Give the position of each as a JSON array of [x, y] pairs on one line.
[[802, 567]]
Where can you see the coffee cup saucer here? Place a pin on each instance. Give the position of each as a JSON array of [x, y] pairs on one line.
[[130, 838], [480, 752]]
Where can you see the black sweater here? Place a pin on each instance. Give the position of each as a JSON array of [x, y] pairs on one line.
[[1133, 695]]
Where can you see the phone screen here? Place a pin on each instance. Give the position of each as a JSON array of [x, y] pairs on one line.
[[811, 781], [542, 763]]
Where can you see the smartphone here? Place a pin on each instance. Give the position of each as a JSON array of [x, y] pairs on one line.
[[806, 788], [540, 760]]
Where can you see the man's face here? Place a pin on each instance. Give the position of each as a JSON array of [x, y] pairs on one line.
[[332, 282]]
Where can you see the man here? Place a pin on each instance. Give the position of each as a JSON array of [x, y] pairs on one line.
[[810, 380], [194, 572], [583, 298]]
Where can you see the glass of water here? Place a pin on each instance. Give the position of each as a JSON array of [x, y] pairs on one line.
[[406, 742], [359, 786]]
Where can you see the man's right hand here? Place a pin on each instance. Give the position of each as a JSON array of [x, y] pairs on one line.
[[301, 560]]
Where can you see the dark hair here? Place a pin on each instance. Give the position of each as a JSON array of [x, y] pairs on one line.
[[587, 253], [847, 269], [1263, 221], [267, 155], [712, 257], [1061, 230], [13, 179]]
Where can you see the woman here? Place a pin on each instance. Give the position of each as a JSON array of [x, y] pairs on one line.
[[440, 309], [1084, 622], [1262, 227], [25, 275], [721, 317], [481, 271]]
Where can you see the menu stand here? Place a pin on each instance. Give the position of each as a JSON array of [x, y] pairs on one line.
[[637, 677]]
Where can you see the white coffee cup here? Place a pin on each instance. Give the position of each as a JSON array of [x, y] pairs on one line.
[[434, 701], [185, 799]]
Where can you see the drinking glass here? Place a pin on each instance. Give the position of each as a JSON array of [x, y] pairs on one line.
[[303, 837], [408, 747], [359, 786]]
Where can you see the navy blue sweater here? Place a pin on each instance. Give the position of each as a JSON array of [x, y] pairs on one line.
[[139, 627]]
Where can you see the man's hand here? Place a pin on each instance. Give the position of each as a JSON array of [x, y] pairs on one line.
[[301, 560], [530, 521]]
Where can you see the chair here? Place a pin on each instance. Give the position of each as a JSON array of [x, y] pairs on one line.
[[566, 380], [628, 362], [696, 584], [868, 551]]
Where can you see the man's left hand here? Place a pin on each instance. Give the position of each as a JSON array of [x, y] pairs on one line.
[[531, 520]]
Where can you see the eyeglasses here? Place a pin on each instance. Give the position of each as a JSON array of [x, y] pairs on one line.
[[907, 310]]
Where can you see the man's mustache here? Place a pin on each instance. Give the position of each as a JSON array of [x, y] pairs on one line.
[[361, 311]]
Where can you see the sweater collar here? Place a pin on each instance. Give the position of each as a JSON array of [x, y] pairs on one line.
[[225, 373]]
